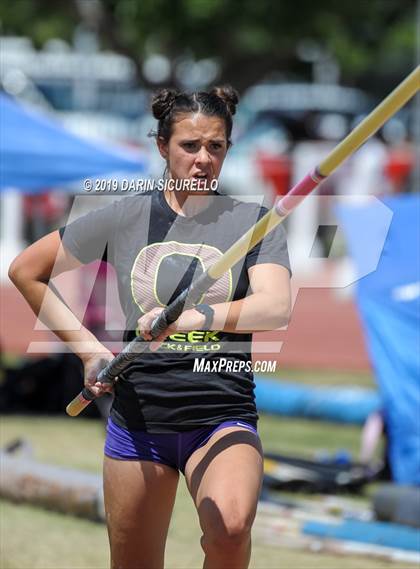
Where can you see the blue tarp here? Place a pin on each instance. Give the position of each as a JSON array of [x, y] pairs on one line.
[[36, 153], [389, 303], [338, 404], [375, 533]]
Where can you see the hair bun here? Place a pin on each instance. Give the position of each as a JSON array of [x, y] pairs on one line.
[[229, 95], [162, 102]]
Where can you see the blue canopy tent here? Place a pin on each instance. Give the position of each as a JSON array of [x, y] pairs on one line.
[[36, 153], [389, 303]]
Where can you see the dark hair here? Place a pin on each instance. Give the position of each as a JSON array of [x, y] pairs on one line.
[[168, 103]]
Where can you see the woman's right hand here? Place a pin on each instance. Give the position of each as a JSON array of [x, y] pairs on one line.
[[92, 366]]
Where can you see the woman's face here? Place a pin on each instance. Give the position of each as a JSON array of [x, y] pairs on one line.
[[196, 149]]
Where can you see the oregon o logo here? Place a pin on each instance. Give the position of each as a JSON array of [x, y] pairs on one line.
[[162, 270]]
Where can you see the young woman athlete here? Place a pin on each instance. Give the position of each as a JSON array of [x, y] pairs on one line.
[[187, 404]]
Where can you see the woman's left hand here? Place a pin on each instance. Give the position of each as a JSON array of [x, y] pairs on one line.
[[145, 325], [189, 320]]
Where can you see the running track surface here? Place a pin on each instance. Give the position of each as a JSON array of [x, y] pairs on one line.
[[325, 332]]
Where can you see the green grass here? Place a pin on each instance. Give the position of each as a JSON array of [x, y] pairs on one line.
[[34, 538], [303, 437], [65, 441]]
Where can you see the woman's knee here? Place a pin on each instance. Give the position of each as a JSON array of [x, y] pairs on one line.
[[226, 530]]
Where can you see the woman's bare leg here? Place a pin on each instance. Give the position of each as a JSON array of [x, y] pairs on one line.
[[224, 478], [139, 498]]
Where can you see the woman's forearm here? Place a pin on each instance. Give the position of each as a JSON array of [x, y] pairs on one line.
[[255, 313]]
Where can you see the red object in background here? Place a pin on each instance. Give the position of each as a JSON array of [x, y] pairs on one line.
[[276, 170], [47, 205], [399, 165]]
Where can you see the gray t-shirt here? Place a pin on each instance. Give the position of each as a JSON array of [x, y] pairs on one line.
[[156, 254]]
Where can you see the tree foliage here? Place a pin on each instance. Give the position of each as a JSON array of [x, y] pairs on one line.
[[250, 39]]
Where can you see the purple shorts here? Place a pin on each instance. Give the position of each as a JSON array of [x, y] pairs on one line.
[[172, 449]]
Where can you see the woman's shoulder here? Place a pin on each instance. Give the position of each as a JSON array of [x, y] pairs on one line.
[[241, 208], [108, 212], [136, 201], [130, 205]]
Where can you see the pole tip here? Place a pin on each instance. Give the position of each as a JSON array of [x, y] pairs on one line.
[[76, 406]]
